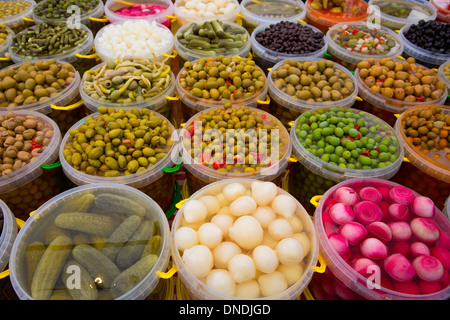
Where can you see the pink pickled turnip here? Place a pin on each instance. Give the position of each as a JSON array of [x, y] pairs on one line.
[[398, 267], [423, 207], [346, 195], [428, 268], [427, 287], [328, 224], [372, 248], [424, 229], [341, 213], [443, 255], [380, 230], [399, 212], [401, 231], [401, 247], [367, 212], [409, 287], [354, 232], [402, 195], [419, 248], [362, 264], [370, 194], [340, 244], [384, 191]]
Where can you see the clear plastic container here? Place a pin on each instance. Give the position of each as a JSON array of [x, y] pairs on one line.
[[199, 175], [106, 55], [384, 107], [112, 6], [340, 281], [288, 108], [266, 58], [88, 19], [186, 54], [69, 56], [4, 54], [198, 290], [153, 181], [183, 18], [425, 57], [24, 190], [446, 210], [424, 172], [8, 234], [418, 10], [350, 59], [68, 96], [323, 19], [311, 175], [158, 103], [441, 73], [20, 21], [251, 19], [41, 224], [443, 10], [190, 104]]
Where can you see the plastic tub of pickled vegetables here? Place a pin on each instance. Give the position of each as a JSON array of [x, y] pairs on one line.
[[95, 242], [243, 239], [381, 240]]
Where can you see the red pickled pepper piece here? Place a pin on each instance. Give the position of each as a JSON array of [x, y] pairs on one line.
[[34, 145]]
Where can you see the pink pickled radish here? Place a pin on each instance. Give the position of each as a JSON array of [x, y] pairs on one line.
[[423, 207], [346, 195], [362, 264], [329, 204], [427, 287], [328, 224], [401, 195], [340, 244], [399, 212], [384, 192], [406, 287], [401, 247], [380, 230], [443, 255], [341, 213], [401, 231], [372, 248], [419, 249], [424, 229], [367, 212], [370, 194], [428, 268], [354, 232], [398, 267]]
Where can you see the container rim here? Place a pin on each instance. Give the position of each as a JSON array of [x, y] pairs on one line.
[[8, 21], [265, 173], [401, 21], [425, 163], [190, 55], [33, 169], [93, 104], [300, 105], [355, 57], [274, 56], [136, 180], [108, 55], [336, 173], [43, 210], [67, 56], [44, 106], [5, 45], [8, 234], [258, 19], [159, 17], [301, 283], [347, 274]]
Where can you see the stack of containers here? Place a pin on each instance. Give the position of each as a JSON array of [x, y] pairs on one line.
[[20, 20], [188, 11], [443, 10], [154, 180], [8, 234], [349, 56], [380, 240], [90, 17], [25, 189], [257, 13], [428, 168], [398, 13], [323, 19], [86, 241], [372, 150], [164, 9]]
